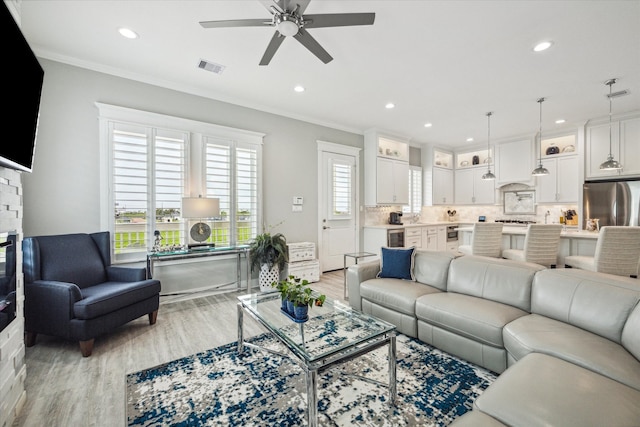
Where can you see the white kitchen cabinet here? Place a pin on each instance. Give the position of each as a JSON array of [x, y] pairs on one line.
[[392, 182], [386, 170], [442, 237], [625, 134], [413, 237], [442, 186], [514, 162], [430, 238], [471, 189], [562, 184]]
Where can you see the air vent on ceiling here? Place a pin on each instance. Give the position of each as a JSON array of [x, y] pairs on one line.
[[211, 66], [618, 94]]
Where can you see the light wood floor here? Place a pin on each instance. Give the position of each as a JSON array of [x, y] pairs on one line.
[[65, 389]]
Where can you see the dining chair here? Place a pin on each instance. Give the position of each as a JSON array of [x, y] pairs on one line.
[[540, 245], [617, 252], [486, 240]]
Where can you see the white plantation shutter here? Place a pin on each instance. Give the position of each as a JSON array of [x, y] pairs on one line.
[[341, 197], [231, 174], [148, 178], [415, 191]]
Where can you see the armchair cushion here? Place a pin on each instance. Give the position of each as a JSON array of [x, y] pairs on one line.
[[72, 258], [107, 297]]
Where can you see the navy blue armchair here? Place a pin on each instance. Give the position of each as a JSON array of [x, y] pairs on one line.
[[73, 292]]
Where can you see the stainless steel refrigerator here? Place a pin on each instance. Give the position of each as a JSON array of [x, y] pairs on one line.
[[612, 202]]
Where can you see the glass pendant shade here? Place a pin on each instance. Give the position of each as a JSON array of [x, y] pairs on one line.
[[610, 163], [540, 170], [488, 175]]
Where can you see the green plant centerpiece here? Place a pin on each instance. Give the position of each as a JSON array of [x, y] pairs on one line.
[[268, 253], [297, 297]]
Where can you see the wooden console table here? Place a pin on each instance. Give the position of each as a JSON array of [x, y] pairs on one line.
[[238, 251]]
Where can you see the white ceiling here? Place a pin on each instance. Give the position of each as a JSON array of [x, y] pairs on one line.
[[443, 62]]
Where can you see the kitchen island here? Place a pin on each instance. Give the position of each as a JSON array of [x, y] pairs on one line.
[[572, 241]]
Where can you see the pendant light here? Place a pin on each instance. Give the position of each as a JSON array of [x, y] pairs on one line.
[[540, 170], [610, 163], [488, 176]]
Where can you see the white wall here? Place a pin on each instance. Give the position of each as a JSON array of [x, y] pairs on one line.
[[61, 195]]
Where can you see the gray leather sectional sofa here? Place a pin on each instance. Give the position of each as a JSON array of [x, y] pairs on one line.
[[565, 342]]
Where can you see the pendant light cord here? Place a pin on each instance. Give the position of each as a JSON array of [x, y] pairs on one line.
[[611, 82], [489, 139], [540, 101]]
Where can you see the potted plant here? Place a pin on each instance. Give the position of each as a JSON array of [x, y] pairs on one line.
[[269, 254], [297, 297]]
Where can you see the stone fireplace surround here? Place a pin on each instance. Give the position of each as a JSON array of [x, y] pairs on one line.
[[13, 370]]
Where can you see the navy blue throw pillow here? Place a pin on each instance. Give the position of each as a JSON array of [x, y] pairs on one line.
[[397, 263]]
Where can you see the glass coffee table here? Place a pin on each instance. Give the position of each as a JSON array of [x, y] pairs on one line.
[[334, 334]]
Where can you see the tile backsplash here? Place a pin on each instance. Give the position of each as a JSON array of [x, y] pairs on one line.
[[378, 215]]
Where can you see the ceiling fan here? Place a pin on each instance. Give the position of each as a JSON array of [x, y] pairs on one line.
[[288, 20]]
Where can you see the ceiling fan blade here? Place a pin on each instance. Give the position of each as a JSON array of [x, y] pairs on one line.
[[273, 46], [338, 19], [237, 23], [310, 43]]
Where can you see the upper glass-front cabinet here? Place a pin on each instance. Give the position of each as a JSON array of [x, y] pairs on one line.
[[559, 145], [393, 149], [442, 159]]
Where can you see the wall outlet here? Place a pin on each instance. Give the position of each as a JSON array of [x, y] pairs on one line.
[[296, 208], [297, 200]]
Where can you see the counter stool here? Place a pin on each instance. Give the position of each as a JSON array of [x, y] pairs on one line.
[[486, 240], [540, 245], [617, 252]]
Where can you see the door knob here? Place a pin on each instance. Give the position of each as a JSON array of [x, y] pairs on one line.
[[324, 227]]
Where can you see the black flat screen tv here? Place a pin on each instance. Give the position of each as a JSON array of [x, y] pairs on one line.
[[22, 72]]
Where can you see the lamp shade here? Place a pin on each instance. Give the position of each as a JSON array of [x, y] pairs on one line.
[[200, 207]]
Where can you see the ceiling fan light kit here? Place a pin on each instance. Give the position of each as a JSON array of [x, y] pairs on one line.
[[289, 21]]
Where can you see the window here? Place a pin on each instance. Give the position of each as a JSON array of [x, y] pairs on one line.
[[341, 197], [231, 174], [146, 172], [148, 176], [415, 191]]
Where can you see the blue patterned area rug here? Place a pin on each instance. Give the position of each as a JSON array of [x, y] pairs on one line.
[[220, 387]]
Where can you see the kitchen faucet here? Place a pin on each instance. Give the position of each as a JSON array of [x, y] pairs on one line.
[[546, 215]]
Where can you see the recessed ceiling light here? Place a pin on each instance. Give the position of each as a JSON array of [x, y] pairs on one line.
[[469, 139], [428, 125], [542, 46], [299, 88], [130, 34], [389, 105], [560, 121]]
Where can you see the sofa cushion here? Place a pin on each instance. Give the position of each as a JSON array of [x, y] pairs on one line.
[[500, 280], [107, 297], [396, 294], [542, 390], [631, 333], [478, 319], [432, 268], [597, 302], [535, 333], [396, 263]]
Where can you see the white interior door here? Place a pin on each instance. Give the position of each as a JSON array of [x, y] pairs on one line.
[[338, 204]]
